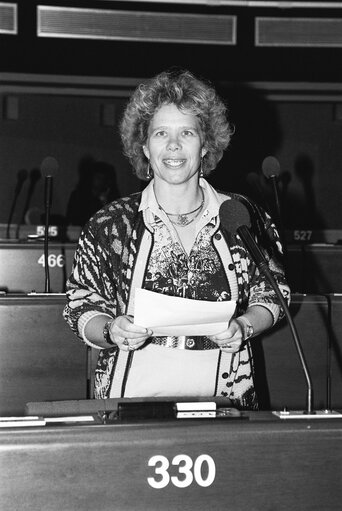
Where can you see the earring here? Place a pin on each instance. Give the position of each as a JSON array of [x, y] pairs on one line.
[[201, 173], [149, 173]]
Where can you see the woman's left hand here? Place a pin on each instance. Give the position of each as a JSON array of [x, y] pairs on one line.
[[231, 339]]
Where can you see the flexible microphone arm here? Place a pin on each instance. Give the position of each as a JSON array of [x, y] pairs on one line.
[[10, 216], [35, 175], [21, 177], [263, 267], [271, 169], [49, 168], [48, 199], [274, 183]]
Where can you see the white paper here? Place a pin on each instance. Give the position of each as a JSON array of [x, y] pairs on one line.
[[77, 418], [172, 315]]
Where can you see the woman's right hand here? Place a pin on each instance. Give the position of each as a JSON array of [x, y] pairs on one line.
[[126, 335]]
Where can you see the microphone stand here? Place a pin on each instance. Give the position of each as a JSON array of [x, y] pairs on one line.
[[48, 197], [274, 183], [34, 178], [262, 265], [9, 221], [22, 175], [233, 217]]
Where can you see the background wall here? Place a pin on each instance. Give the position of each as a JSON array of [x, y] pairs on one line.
[[70, 129], [64, 82], [305, 136]]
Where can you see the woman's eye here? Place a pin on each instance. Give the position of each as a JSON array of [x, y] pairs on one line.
[[161, 133], [187, 133]]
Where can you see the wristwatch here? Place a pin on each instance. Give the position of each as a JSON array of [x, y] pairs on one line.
[[247, 327], [106, 332]]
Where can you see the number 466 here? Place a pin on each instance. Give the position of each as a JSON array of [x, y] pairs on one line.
[[53, 260]]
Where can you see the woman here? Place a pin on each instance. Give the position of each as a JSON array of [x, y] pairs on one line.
[[168, 239]]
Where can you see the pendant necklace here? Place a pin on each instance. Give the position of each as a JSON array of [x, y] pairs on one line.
[[182, 219]]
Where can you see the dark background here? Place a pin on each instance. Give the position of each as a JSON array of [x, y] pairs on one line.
[[68, 96]]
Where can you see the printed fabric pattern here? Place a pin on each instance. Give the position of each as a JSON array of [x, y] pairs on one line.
[[105, 259]]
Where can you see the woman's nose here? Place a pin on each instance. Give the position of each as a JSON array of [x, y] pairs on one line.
[[173, 144]]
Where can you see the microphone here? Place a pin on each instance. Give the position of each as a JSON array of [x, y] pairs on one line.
[[21, 178], [49, 168], [271, 167], [271, 170], [235, 219]]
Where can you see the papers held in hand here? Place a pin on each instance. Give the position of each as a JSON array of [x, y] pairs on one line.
[[171, 315]]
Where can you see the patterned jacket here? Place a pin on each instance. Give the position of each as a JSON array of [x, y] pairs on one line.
[[105, 267]]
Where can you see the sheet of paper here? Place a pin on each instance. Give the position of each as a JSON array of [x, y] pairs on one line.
[[171, 315]]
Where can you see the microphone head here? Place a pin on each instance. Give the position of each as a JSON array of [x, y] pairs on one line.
[[49, 167], [270, 167], [233, 214]]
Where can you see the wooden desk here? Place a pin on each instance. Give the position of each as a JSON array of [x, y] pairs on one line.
[[22, 266], [40, 358], [311, 268], [259, 464]]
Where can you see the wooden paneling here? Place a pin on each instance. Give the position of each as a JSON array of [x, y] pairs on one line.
[[40, 358], [280, 378], [22, 266], [259, 465]]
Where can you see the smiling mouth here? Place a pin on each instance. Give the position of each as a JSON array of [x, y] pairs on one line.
[[174, 163]]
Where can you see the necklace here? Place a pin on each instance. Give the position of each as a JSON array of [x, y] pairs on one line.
[[182, 219]]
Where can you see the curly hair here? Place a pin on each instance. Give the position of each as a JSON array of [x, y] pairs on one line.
[[188, 93]]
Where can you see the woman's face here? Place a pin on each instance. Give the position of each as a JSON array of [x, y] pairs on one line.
[[174, 145]]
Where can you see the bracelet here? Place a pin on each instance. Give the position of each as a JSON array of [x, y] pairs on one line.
[[106, 332], [247, 327]]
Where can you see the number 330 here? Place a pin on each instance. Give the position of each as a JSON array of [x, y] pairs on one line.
[[186, 467]]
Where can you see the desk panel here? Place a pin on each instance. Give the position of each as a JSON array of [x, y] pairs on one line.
[[295, 268], [315, 269], [280, 378], [22, 266], [259, 465], [322, 269], [40, 358], [336, 348]]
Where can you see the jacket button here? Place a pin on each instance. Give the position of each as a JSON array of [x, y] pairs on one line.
[[217, 236], [224, 376], [231, 267]]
